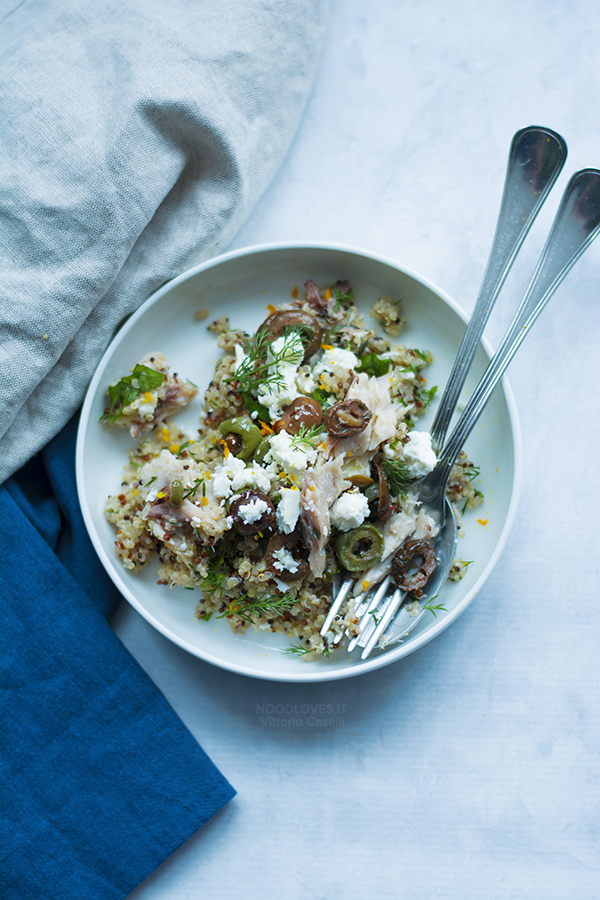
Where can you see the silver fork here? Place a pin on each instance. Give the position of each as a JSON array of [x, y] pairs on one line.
[[536, 158], [576, 224]]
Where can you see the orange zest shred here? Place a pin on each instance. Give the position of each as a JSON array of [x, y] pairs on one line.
[[264, 428], [226, 450], [161, 495], [327, 294], [326, 347], [271, 308], [204, 501], [294, 292], [482, 521], [365, 585]]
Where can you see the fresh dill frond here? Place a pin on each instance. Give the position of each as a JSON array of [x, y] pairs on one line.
[[247, 609], [341, 300], [192, 491], [306, 435], [434, 609], [398, 476], [298, 650], [472, 473], [261, 365]]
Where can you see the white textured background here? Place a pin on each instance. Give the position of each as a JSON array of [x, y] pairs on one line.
[[469, 770]]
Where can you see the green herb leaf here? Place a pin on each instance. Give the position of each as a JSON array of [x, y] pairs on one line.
[[326, 400], [422, 355], [125, 392], [253, 406], [147, 378], [374, 365], [427, 396]]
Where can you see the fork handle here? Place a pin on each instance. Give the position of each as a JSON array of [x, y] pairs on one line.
[[535, 160], [576, 225]]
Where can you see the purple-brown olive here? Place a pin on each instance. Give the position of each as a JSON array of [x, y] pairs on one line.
[[304, 412], [346, 418], [307, 324], [264, 524], [417, 555], [288, 542], [234, 442], [385, 507]]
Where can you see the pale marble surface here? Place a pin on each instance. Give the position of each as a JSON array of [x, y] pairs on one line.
[[470, 769]]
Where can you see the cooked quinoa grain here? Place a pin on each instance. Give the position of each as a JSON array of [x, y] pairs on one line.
[[263, 508]]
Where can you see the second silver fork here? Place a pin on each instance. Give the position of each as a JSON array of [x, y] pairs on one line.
[[536, 158]]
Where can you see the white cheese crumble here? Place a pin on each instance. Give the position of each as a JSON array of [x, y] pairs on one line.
[[289, 353], [290, 457], [288, 510], [338, 361], [418, 453], [349, 510], [233, 475], [240, 356], [253, 510], [285, 560]]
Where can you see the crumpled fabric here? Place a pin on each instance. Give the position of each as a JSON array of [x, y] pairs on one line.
[[136, 137], [100, 781]]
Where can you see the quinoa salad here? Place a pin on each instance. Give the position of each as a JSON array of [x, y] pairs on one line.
[[303, 470]]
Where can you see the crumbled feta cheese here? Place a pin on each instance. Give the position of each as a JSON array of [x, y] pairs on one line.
[[338, 361], [240, 356], [253, 510], [285, 560], [418, 453], [289, 352], [349, 510], [292, 458], [233, 475], [146, 408], [288, 510]]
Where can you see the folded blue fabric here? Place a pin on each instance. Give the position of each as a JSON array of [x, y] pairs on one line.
[[100, 780]]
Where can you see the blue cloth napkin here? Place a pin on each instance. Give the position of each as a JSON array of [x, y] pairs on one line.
[[100, 781]]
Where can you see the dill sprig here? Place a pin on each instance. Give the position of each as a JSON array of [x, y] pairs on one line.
[[434, 609], [247, 609], [398, 476], [192, 491], [261, 365], [214, 581], [305, 436], [298, 650]]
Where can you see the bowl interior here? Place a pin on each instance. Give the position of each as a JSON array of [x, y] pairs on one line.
[[241, 285]]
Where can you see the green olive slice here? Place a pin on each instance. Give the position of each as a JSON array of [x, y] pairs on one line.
[[249, 432], [360, 548]]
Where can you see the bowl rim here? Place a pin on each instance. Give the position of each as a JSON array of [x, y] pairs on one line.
[[359, 668]]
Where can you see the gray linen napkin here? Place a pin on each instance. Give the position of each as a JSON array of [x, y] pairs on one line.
[[136, 137]]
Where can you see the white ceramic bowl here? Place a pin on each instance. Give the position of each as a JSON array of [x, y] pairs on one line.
[[240, 285]]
